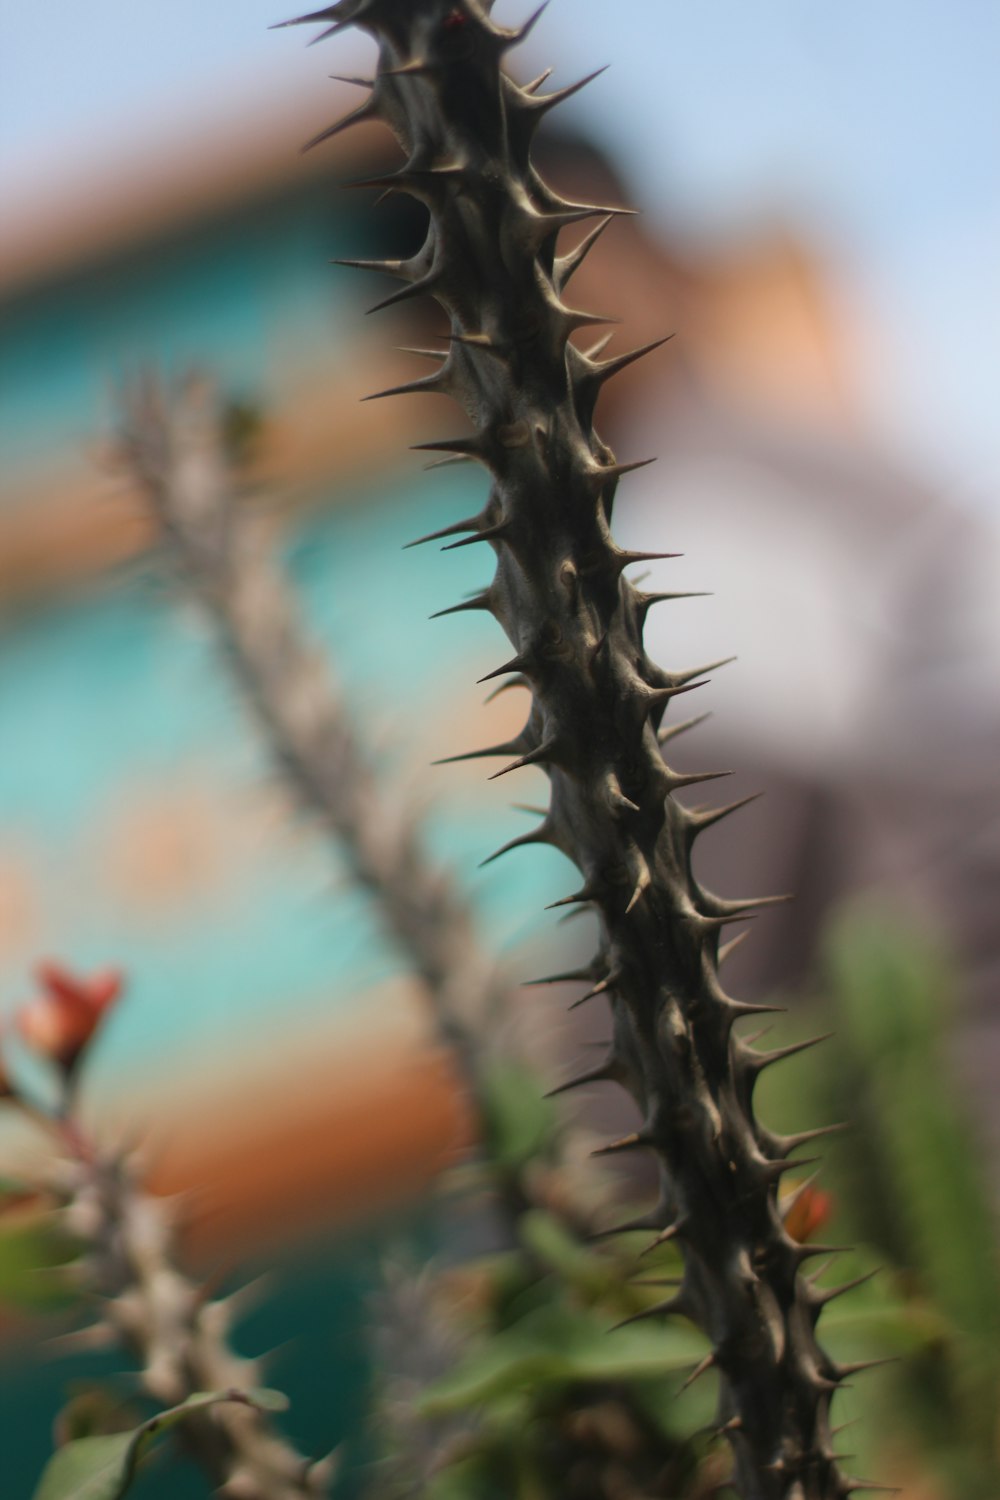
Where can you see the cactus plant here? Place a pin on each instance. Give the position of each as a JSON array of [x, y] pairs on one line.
[[113, 1244], [597, 704]]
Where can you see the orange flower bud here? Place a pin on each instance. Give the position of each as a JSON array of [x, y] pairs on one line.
[[60, 1021], [810, 1210]]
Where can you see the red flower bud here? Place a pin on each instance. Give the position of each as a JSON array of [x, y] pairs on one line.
[[60, 1021], [810, 1210]]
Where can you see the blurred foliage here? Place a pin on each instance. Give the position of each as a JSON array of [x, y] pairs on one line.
[[103, 1466], [560, 1376], [909, 1182], [36, 1254], [567, 1380]]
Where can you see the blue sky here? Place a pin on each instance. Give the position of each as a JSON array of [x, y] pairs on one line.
[[871, 124]]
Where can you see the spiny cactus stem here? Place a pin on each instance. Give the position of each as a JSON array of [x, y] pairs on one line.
[[575, 621], [170, 1324]]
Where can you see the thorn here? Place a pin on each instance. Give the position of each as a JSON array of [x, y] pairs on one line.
[[616, 798], [654, 697], [820, 1299], [590, 995], [366, 111], [612, 367], [447, 463], [671, 733], [322, 1472], [601, 1074], [422, 184], [701, 818], [329, 14], [538, 835], [750, 1041], [599, 475], [362, 83], [789, 1143], [574, 318], [774, 1170], [566, 265], [487, 534], [856, 1485], [761, 1060], [730, 947], [549, 101], [412, 69], [383, 267], [536, 83], [533, 758], [477, 602], [507, 748], [586, 893], [89, 1340], [606, 984], [435, 354], [717, 923], [471, 523], [643, 1221], [631, 1142], [696, 777], [602, 343], [810, 1251], [565, 978], [466, 447], [665, 1309], [645, 602], [330, 31], [516, 664], [625, 558], [430, 384], [740, 1008], [406, 293], [474, 341], [528, 26], [642, 885], [573, 915], [787, 1204], [515, 682], [699, 1370], [234, 1308], [752, 903], [712, 666], [664, 1237]]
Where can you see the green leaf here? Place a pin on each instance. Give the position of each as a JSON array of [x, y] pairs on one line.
[[32, 1249], [102, 1468], [518, 1123], [894, 990], [554, 1346], [553, 1245]]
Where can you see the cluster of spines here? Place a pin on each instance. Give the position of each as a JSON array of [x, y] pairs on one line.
[[575, 620]]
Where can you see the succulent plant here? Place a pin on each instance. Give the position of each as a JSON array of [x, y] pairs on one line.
[[597, 707]]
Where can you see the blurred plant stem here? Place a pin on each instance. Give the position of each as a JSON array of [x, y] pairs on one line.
[[175, 448], [92, 1231]]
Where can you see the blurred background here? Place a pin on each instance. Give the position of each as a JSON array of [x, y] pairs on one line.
[[820, 231]]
